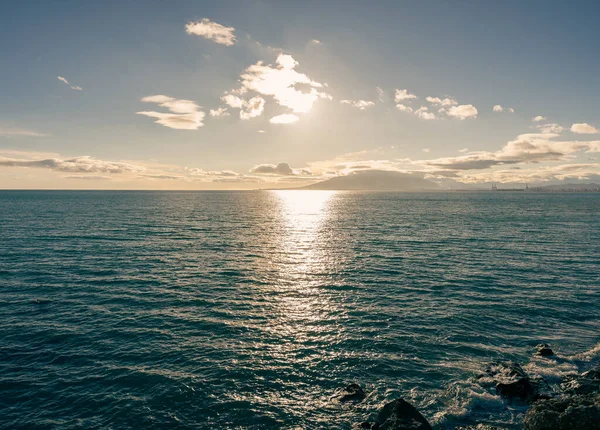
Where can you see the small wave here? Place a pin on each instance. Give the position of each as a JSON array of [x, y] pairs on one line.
[[591, 356], [467, 401]]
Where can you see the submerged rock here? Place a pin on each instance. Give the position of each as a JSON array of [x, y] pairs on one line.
[[510, 380], [543, 350], [351, 393], [399, 415], [569, 413]]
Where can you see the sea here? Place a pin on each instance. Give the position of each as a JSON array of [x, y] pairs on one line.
[[250, 309]]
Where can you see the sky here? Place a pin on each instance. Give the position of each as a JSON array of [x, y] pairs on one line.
[[276, 94]]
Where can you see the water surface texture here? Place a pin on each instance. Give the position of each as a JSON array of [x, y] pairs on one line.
[[248, 309]]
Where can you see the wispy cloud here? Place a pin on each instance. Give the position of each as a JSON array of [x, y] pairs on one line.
[[73, 87], [83, 164], [14, 132], [526, 148], [219, 112], [550, 128], [539, 118], [359, 104], [88, 177], [404, 108], [212, 31], [185, 114], [447, 107], [448, 101]]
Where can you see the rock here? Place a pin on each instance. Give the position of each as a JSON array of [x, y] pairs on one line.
[[479, 427], [543, 350], [586, 383], [510, 380], [400, 415], [569, 413], [351, 393]]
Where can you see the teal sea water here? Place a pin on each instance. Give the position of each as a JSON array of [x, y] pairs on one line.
[[249, 309]]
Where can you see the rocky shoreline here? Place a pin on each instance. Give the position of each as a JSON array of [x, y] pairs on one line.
[[575, 405]]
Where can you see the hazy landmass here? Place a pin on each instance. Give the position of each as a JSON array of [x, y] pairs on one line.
[[376, 180], [570, 186]]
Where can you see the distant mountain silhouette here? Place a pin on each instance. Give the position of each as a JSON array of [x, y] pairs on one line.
[[376, 180], [588, 187]]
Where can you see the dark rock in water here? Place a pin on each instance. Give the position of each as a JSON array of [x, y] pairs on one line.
[[400, 415], [351, 393], [586, 383], [569, 413], [480, 427], [544, 350], [510, 380]]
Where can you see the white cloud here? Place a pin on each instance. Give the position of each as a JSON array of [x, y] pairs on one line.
[[463, 150], [550, 128], [11, 132], [500, 108], [185, 114], [281, 82], [401, 95], [286, 118], [463, 111], [448, 101], [261, 131], [219, 112], [212, 31], [233, 101], [253, 108], [539, 118], [426, 150], [73, 87], [404, 108], [584, 128], [423, 113], [360, 104], [380, 94], [248, 108], [315, 42]]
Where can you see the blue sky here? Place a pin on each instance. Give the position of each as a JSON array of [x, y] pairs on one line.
[[537, 58]]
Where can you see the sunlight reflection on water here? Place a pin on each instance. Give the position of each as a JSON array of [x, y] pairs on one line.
[[302, 253]]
